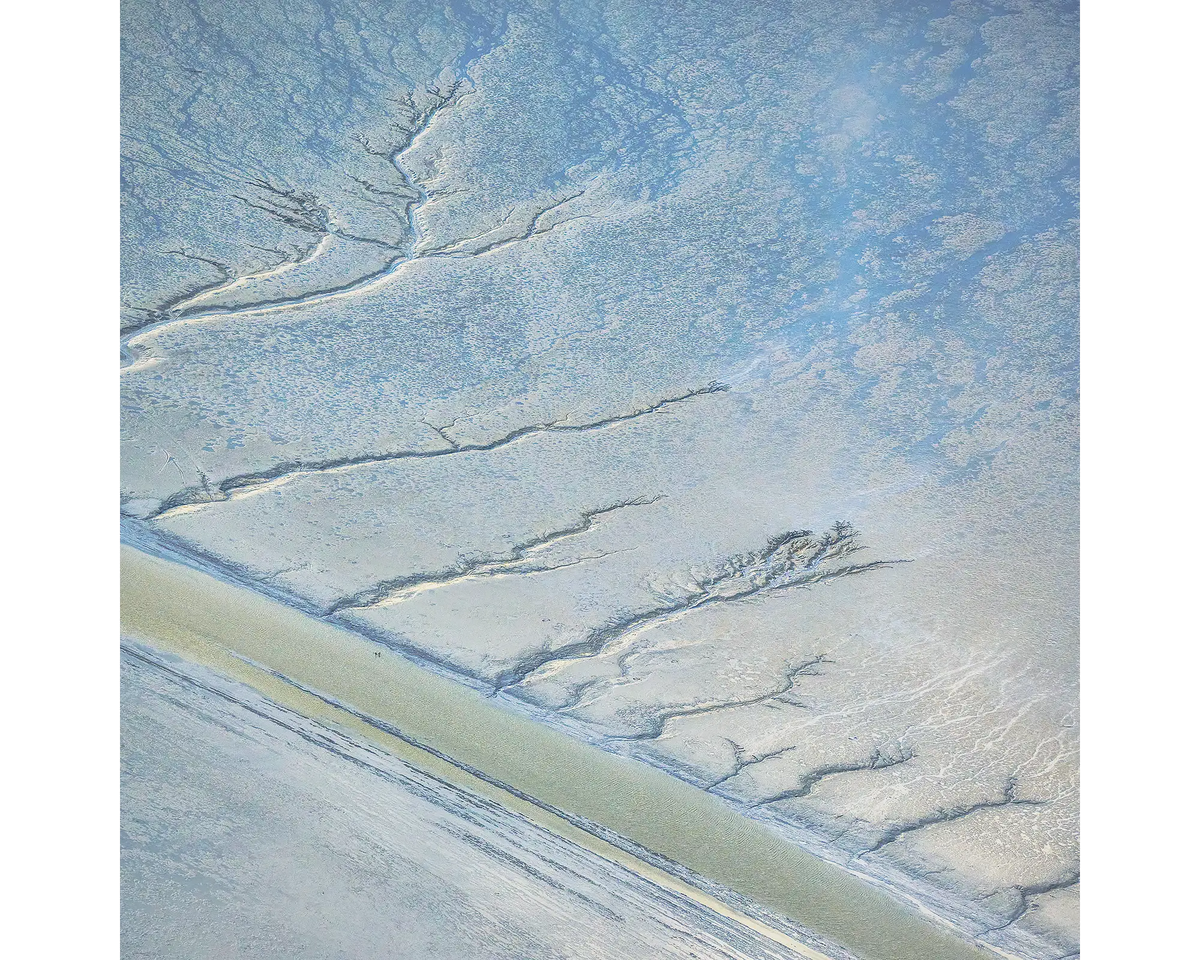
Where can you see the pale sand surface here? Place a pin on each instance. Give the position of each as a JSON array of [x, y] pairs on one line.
[[225, 627]]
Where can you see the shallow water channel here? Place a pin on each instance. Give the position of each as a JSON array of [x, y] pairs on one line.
[[574, 788]]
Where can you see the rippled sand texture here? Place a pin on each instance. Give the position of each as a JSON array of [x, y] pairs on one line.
[[702, 380]]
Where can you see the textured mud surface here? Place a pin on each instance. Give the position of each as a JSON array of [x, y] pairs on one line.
[[703, 381]]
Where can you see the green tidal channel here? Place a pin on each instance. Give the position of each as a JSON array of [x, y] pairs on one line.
[[207, 620]]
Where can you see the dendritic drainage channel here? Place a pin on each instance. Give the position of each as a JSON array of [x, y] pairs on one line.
[[788, 561], [250, 484], [516, 561], [305, 212]]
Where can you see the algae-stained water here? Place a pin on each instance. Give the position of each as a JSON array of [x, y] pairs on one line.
[[704, 377], [316, 673], [322, 846]]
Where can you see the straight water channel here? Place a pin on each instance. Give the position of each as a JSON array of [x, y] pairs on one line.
[[197, 616]]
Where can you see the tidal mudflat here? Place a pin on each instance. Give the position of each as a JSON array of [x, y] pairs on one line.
[[700, 384]]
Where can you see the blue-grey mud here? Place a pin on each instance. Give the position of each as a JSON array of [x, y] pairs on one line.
[[696, 381]]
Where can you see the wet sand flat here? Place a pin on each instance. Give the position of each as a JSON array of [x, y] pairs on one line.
[[705, 381]]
